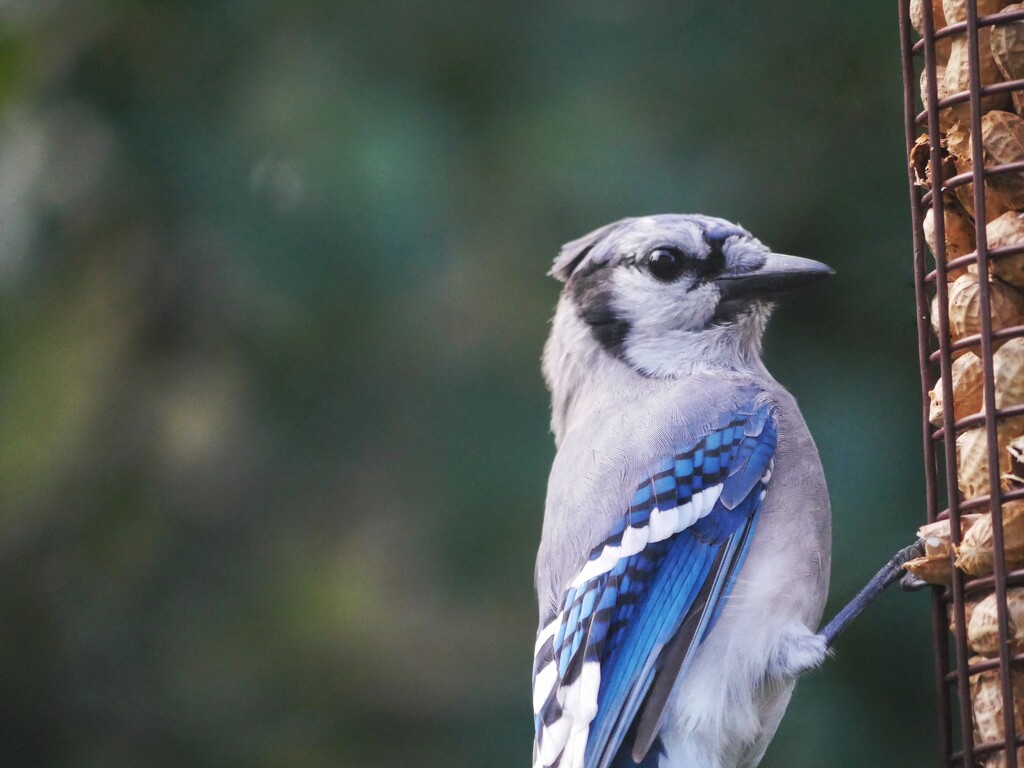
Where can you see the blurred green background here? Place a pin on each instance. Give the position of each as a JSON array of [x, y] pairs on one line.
[[274, 439]]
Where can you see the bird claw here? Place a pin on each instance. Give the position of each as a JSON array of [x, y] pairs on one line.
[[910, 583]]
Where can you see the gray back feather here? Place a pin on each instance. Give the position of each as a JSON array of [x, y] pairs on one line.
[[601, 460]]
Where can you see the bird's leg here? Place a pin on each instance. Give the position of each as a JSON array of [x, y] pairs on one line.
[[889, 573]]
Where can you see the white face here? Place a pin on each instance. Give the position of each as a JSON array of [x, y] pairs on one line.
[[654, 297], [654, 306]]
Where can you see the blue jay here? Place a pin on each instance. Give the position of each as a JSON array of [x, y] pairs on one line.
[[684, 559]]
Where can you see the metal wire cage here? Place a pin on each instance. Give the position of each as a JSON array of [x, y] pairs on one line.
[[932, 183]]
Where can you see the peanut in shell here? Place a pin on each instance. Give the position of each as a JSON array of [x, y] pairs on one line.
[[970, 604], [983, 627], [1007, 43], [974, 555], [955, 11], [1008, 371], [987, 711], [938, 22], [1002, 232], [1006, 305], [1002, 137], [967, 380], [936, 536], [936, 565], [946, 116], [972, 458], [958, 233], [967, 377], [957, 76]]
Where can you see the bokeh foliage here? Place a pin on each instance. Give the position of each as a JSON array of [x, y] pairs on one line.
[[273, 297]]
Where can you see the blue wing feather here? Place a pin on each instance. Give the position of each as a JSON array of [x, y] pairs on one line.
[[624, 617]]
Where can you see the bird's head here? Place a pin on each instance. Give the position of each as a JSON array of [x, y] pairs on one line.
[[670, 293]]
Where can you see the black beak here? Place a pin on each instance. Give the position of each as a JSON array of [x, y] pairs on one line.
[[779, 274]]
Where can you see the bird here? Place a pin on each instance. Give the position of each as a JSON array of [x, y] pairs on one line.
[[685, 549]]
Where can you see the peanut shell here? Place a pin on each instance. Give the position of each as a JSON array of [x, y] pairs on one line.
[[958, 141], [987, 709], [972, 456], [958, 144], [958, 233], [1005, 303], [1004, 231], [1014, 478], [1002, 137], [935, 566], [967, 379], [983, 628], [938, 22], [957, 75], [974, 555], [1008, 369], [920, 162], [935, 569], [955, 11], [1007, 43], [970, 604], [936, 535], [946, 116]]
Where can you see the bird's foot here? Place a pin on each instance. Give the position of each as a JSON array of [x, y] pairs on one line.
[[889, 573]]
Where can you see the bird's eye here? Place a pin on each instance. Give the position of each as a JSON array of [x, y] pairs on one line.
[[665, 264]]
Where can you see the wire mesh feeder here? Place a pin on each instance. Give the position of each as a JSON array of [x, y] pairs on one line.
[[967, 73]]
